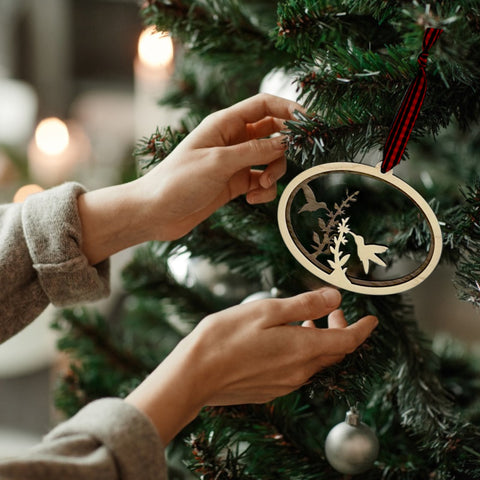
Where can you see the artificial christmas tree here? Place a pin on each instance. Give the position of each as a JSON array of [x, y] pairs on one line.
[[352, 62]]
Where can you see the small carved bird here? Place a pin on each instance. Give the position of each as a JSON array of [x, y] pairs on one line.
[[368, 253], [312, 205]]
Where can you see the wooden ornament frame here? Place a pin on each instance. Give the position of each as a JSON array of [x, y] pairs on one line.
[[369, 287]]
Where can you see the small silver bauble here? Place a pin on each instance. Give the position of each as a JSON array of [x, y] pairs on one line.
[[351, 447]]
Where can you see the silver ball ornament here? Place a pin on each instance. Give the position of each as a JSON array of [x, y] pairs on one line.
[[351, 447]]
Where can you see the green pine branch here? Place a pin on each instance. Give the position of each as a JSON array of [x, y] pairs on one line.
[[311, 141], [150, 151], [99, 363], [463, 230], [217, 30]]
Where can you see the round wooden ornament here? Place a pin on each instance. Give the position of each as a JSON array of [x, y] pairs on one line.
[[325, 212]]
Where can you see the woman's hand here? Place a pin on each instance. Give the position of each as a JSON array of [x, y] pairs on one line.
[[210, 167], [214, 164], [249, 353]]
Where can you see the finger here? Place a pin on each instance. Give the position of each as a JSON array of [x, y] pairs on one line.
[[263, 187], [306, 306], [263, 105], [274, 171], [252, 152], [362, 328], [264, 127], [262, 195], [256, 193], [341, 341], [337, 320], [250, 185]]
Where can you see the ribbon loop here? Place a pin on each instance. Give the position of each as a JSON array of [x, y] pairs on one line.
[[407, 114], [422, 60]]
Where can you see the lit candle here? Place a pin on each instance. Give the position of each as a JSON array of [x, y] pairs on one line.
[[51, 136], [155, 49], [153, 68], [56, 151]]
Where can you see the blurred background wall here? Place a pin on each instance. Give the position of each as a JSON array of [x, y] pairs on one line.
[[72, 60]]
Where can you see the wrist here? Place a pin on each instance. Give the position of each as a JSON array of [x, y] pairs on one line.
[[112, 219], [170, 396]]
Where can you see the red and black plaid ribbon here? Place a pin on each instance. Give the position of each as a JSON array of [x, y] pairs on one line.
[[409, 109]]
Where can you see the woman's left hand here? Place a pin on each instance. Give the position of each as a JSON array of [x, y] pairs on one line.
[[216, 163]]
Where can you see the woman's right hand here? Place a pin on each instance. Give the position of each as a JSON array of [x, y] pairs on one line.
[[250, 353]]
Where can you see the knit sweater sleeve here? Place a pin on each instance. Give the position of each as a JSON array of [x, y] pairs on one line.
[[41, 261], [106, 440]]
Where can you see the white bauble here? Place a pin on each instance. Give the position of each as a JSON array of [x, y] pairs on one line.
[[280, 83]]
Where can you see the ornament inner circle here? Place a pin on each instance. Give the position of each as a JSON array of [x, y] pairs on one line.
[[339, 252]]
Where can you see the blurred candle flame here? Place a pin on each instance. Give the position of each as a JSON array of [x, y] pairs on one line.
[[51, 136], [155, 48]]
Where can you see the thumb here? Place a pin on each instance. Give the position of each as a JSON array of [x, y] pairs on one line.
[[255, 152]]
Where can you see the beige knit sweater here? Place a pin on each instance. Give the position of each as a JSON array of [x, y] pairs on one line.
[[41, 263]]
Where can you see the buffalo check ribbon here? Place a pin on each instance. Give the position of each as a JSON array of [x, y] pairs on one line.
[[410, 107]]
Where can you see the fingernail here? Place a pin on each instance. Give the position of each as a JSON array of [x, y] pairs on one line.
[[299, 108], [281, 142], [332, 297]]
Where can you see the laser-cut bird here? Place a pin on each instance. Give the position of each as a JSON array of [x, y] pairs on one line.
[[368, 253], [312, 205]]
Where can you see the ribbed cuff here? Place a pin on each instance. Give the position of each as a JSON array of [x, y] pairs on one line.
[[129, 436], [53, 233]]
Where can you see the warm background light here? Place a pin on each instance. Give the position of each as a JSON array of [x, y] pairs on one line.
[[58, 152], [51, 136], [155, 48], [25, 191]]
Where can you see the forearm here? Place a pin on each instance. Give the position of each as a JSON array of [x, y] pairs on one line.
[[112, 219], [173, 394]]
